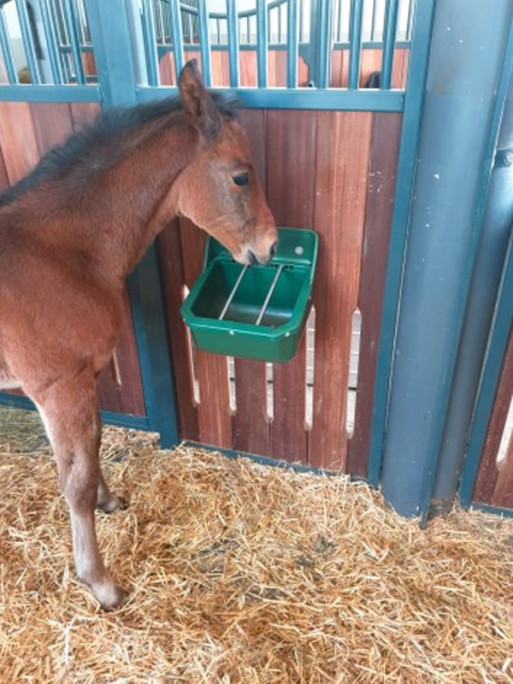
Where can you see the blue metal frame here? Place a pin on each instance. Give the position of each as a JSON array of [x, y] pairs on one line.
[[233, 43], [391, 15], [51, 42], [204, 35], [262, 43], [355, 39], [50, 93], [6, 50], [74, 40], [292, 43], [404, 183], [176, 32], [497, 345]]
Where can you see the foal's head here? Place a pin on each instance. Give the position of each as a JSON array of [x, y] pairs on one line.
[[219, 189]]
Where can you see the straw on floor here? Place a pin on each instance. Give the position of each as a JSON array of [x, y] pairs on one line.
[[244, 574]]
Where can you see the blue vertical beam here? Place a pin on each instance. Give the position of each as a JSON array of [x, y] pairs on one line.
[[74, 40], [111, 31], [292, 43], [320, 35], [355, 39], [496, 349], [233, 43], [486, 275], [151, 43], [262, 43], [28, 41], [6, 50], [461, 113], [51, 42], [404, 184], [391, 13], [177, 34], [204, 36]]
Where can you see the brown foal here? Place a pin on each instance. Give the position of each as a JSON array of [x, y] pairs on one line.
[[72, 231]]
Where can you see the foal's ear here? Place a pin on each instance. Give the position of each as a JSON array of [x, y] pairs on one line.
[[199, 106]]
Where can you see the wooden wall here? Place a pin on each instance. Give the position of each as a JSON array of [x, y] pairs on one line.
[[494, 483], [27, 131], [334, 172]]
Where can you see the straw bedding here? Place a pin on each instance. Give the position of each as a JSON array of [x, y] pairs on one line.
[[240, 573]]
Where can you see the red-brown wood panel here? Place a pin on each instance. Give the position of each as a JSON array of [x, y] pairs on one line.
[[4, 181], [18, 139], [343, 142], [386, 132], [214, 415], [290, 164], [83, 114], [52, 124], [370, 62], [170, 251], [488, 474], [250, 424]]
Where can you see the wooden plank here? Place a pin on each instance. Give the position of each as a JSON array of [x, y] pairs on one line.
[[488, 472], [17, 139], [131, 391], [386, 132], [248, 68], [4, 181], [170, 255], [337, 65], [290, 168], [83, 114], [370, 62], [220, 68], [214, 416], [250, 423], [343, 142], [52, 124]]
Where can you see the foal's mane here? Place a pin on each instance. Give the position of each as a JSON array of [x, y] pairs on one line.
[[94, 143]]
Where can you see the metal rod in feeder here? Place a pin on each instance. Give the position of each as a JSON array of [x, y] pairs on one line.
[[269, 295], [232, 293]]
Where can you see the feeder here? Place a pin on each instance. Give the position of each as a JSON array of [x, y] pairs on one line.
[[254, 312]]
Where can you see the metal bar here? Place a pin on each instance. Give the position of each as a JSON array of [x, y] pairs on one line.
[[151, 46], [160, 20], [206, 68], [355, 38], [262, 43], [6, 50], [50, 93], [292, 43], [232, 293], [28, 41], [405, 174], [177, 34], [51, 42], [218, 30], [302, 98], [409, 20], [373, 25], [269, 295], [496, 349], [391, 14], [233, 43], [75, 44], [323, 40]]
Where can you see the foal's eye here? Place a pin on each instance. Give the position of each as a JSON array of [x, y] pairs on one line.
[[241, 179]]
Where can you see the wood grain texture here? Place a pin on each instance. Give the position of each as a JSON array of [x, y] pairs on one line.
[[18, 139], [251, 425], [386, 132], [290, 164], [343, 142], [488, 473], [214, 415], [173, 279], [83, 114], [53, 124]]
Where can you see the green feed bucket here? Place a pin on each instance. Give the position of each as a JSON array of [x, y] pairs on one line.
[[256, 312]]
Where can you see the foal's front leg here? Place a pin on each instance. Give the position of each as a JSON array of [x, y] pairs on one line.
[[71, 419]]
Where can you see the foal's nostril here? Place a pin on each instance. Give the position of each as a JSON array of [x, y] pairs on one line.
[[251, 258], [273, 249]]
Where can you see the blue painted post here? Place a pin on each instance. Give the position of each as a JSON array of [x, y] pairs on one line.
[[233, 42], [391, 14], [75, 41], [111, 31], [262, 43], [28, 41], [464, 85], [355, 39], [292, 43], [483, 292], [204, 34]]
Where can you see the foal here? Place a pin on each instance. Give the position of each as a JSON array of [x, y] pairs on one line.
[[72, 231]]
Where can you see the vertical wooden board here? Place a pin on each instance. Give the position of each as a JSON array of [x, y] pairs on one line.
[[370, 62], [277, 68], [220, 69], [386, 133], [170, 256], [108, 390], [250, 423], [343, 143], [337, 65], [248, 68], [4, 181], [167, 70], [17, 139], [290, 165], [53, 124], [132, 395], [214, 416], [488, 472], [503, 492], [83, 114]]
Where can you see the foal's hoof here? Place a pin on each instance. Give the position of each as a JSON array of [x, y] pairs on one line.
[[116, 503], [110, 596]]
